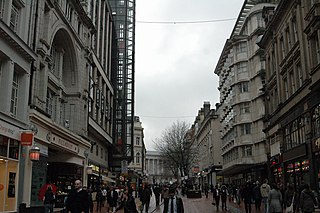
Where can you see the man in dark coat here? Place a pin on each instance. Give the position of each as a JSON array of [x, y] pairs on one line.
[[112, 197], [216, 194], [77, 201], [247, 196], [157, 192], [173, 203], [145, 197]]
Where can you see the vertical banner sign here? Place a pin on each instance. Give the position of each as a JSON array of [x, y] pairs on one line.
[[26, 138], [124, 167]]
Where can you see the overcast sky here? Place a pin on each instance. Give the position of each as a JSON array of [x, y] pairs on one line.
[[174, 64]]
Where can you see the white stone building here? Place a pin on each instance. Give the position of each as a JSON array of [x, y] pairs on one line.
[[55, 57], [241, 71]]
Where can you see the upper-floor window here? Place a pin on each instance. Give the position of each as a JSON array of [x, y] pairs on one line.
[[138, 158], [244, 87], [14, 18], [247, 150], [138, 141], [245, 108], [241, 47], [14, 94], [282, 48], [1, 8], [294, 30], [242, 67], [55, 65], [315, 122], [245, 129], [317, 46], [288, 38], [260, 20], [299, 73], [295, 133], [121, 2], [286, 88], [50, 103]]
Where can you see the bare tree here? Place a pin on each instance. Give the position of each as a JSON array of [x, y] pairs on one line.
[[176, 148]]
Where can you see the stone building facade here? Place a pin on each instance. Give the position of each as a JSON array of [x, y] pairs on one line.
[[56, 81], [241, 69], [292, 91]]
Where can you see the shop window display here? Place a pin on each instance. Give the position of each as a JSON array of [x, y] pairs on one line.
[[9, 155]]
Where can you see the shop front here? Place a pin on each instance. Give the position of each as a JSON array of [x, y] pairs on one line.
[[10, 155], [297, 166]]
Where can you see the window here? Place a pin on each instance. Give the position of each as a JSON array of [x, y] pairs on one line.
[[300, 74], [282, 48], [292, 82], [14, 94], [101, 151], [288, 37], [138, 158], [245, 129], [121, 2], [50, 102], [317, 46], [242, 47], [286, 88], [244, 87], [294, 29], [315, 122], [242, 67], [260, 20], [55, 56], [1, 8], [138, 141], [97, 150], [247, 151], [14, 18], [245, 108], [295, 133]]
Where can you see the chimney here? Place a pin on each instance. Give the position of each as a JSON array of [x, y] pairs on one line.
[[206, 107]]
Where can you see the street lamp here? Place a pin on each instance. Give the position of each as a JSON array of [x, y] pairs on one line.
[[34, 153]]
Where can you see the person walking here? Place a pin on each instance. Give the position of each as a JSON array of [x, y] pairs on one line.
[[77, 201], [112, 198], [289, 198], [247, 196], [99, 199], [257, 196], [216, 196], [156, 192], [307, 200], [206, 190], [90, 201], [173, 203], [129, 202], [275, 200], [224, 195], [264, 190], [48, 200], [145, 197]]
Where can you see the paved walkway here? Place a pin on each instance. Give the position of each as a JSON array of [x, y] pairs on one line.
[[192, 205]]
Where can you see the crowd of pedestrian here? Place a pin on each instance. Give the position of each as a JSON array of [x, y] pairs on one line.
[[273, 198]]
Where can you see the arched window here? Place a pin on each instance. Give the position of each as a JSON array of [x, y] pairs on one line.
[[138, 157]]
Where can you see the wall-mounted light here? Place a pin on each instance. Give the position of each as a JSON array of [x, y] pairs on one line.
[[34, 153]]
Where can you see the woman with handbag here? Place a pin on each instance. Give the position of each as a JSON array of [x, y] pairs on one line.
[[289, 198]]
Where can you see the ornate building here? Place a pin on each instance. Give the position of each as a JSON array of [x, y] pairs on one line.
[[241, 71], [292, 51]]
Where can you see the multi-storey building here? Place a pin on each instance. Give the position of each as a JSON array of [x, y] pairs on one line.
[[100, 92], [157, 170], [137, 165], [241, 70], [17, 57], [292, 51], [123, 12], [56, 58], [208, 142]]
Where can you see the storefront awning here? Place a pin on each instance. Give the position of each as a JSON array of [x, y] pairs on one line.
[[241, 168], [235, 169]]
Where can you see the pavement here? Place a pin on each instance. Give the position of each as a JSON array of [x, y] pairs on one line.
[[191, 205]]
